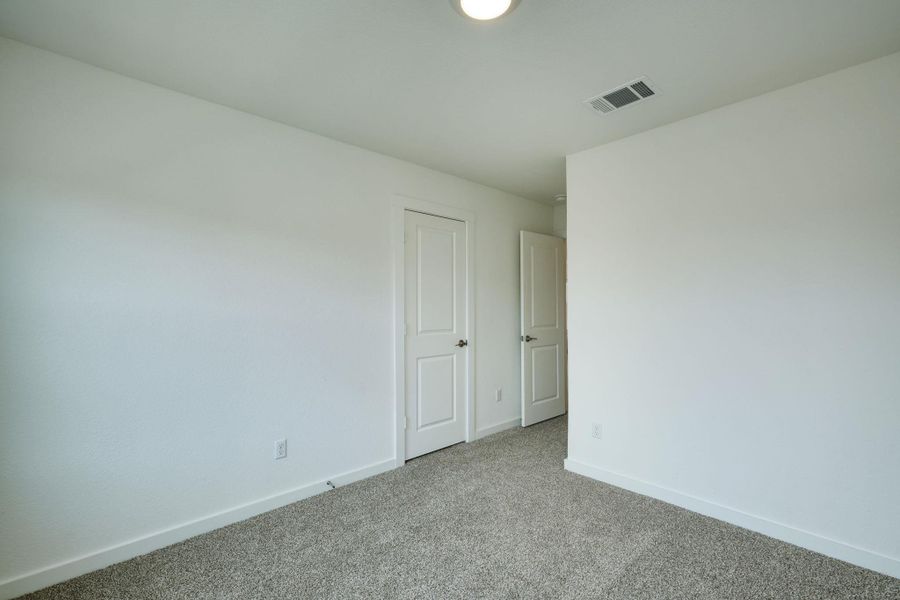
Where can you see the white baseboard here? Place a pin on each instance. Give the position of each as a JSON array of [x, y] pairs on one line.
[[42, 578], [805, 539], [498, 428]]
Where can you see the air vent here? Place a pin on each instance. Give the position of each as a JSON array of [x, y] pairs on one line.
[[622, 96], [642, 88]]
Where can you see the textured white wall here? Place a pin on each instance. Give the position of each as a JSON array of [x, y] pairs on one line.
[[182, 284], [734, 307]]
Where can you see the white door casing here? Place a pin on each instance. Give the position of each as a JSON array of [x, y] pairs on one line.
[[436, 365], [543, 313]]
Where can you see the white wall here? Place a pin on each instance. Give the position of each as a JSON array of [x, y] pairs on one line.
[[182, 284], [734, 313], [559, 220]]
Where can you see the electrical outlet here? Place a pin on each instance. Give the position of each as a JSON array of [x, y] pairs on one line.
[[498, 395], [280, 449], [597, 431]]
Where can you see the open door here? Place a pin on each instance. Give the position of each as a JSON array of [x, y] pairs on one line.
[[436, 326], [543, 297]]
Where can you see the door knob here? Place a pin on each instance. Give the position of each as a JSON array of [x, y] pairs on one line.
[[462, 343], [528, 338]]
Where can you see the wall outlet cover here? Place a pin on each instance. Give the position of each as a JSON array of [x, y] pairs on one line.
[[280, 449], [597, 431]]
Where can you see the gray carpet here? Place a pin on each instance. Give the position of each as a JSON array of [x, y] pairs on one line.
[[499, 518]]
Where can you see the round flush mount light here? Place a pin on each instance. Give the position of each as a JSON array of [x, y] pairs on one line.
[[484, 10]]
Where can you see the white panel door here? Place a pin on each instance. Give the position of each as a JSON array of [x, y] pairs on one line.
[[543, 294], [436, 326]]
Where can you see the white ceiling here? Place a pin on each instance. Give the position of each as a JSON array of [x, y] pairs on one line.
[[498, 103]]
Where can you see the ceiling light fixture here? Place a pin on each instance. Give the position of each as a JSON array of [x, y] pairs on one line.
[[484, 10]]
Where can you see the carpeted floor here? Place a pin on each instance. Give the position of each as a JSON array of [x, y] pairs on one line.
[[499, 518]]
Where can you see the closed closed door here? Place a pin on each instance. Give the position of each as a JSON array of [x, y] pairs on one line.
[[543, 304], [436, 326]]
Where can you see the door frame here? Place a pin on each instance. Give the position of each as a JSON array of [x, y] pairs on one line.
[[399, 205]]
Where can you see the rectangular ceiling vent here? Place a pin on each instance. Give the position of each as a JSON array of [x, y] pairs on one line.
[[622, 96]]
